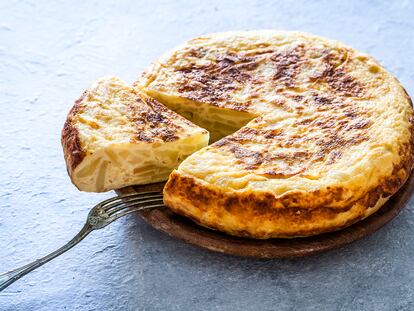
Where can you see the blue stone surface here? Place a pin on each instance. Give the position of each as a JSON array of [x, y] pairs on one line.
[[51, 50]]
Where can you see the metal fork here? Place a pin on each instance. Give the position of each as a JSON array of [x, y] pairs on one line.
[[99, 217]]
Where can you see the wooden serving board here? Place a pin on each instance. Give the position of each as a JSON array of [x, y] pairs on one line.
[[186, 230]]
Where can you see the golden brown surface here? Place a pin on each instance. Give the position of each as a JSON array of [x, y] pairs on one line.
[[330, 136], [116, 136]]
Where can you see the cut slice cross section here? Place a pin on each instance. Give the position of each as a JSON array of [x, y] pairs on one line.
[[116, 136]]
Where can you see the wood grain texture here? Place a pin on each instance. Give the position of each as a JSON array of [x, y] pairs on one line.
[[186, 230]]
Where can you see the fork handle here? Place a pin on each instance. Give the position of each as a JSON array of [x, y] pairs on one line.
[[10, 277]]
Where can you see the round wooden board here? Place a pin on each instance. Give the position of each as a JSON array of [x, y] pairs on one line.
[[186, 230]]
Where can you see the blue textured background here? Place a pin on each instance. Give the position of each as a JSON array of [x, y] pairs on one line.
[[50, 52]]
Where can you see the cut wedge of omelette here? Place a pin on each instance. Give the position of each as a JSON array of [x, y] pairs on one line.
[[116, 136], [311, 135]]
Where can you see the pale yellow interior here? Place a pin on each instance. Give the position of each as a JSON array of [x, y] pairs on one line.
[[125, 164]]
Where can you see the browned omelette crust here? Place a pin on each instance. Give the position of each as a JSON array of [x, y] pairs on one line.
[[151, 122], [341, 119], [70, 140], [337, 130], [154, 121], [295, 214], [214, 82]]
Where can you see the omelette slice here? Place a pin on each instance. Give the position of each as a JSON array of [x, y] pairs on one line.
[[311, 135], [116, 136]]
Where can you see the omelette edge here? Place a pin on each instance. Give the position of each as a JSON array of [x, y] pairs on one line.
[[207, 205]]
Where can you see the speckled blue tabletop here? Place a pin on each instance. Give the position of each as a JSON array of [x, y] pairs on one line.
[[49, 52]]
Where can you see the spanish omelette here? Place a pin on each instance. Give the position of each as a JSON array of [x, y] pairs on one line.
[[116, 136], [311, 135]]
